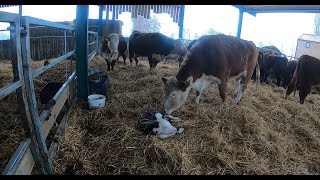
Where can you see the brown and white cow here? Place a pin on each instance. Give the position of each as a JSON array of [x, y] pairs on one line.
[[306, 77], [212, 59], [155, 46], [113, 46]]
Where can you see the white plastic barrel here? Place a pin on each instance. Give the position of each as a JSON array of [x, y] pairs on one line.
[[96, 101]]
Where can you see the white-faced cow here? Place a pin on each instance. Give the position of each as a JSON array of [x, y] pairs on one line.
[[306, 77], [155, 46], [113, 46], [212, 59]]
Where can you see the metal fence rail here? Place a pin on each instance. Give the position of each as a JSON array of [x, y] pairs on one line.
[[33, 150]]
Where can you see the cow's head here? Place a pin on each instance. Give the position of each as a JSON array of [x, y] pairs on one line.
[[179, 48], [110, 47], [175, 93]]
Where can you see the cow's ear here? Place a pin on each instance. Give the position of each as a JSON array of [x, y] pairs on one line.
[[164, 80]]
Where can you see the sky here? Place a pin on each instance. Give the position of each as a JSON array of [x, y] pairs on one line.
[[279, 29]]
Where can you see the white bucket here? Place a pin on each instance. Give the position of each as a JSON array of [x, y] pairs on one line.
[[97, 101]]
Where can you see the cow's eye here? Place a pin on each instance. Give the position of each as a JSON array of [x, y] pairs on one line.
[[173, 94]]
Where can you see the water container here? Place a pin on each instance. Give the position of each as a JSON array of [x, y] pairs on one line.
[[99, 82], [96, 101]]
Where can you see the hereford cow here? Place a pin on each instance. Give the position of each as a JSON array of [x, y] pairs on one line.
[[113, 46], [275, 65], [306, 77], [213, 59], [155, 46]]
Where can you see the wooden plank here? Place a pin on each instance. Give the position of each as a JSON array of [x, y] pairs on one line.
[[47, 125], [61, 129], [26, 165], [9, 88], [17, 157], [42, 22], [54, 62]]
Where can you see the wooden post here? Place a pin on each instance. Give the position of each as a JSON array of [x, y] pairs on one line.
[[100, 29], [82, 51], [182, 7]]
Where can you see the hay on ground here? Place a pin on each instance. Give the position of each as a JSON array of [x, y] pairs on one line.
[[265, 134]]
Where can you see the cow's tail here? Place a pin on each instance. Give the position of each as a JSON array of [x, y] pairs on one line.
[[296, 77], [258, 73]]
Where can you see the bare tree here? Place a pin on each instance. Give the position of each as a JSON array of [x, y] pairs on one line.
[[213, 32], [146, 25]]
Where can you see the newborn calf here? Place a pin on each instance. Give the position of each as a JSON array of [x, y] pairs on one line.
[[154, 123]]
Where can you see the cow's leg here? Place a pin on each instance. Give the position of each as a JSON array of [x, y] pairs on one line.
[[238, 90], [304, 91], [197, 99], [290, 88], [112, 64], [223, 89], [131, 61], [108, 63], [136, 59], [278, 80], [124, 58], [241, 85]]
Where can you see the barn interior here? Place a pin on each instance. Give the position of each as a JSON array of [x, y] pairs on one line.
[[265, 134]]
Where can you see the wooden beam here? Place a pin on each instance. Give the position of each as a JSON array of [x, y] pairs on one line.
[[82, 51]]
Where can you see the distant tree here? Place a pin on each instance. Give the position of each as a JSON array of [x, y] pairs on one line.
[[260, 44], [317, 24], [213, 32], [146, 25]]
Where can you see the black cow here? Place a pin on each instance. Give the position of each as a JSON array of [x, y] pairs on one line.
[[155, 46], [275, 65]]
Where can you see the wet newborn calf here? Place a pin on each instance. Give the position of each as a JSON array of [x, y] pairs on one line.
[[154, 123]]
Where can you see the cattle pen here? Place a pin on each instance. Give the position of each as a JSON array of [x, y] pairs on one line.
[[264, 135]]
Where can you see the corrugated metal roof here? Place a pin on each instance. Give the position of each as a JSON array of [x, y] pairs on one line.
[[3, 6], [144, 10], [310, 37], [253, 9]]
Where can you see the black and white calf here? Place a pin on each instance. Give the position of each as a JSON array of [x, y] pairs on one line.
[[152, 122]]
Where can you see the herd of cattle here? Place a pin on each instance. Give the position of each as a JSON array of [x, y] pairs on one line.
[[214, 59]]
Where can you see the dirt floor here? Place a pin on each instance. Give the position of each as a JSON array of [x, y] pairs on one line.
[[264, 134]]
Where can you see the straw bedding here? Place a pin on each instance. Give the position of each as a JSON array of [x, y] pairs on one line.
[[265, 134], [11, 129]]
